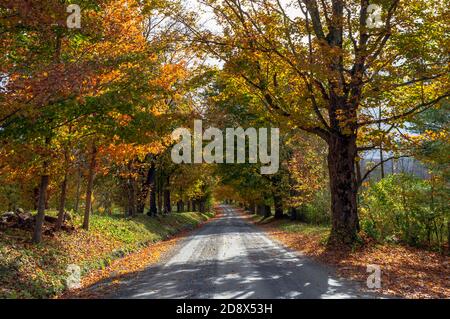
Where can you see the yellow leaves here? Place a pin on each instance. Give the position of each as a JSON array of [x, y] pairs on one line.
[[122, 153], [169, 75]]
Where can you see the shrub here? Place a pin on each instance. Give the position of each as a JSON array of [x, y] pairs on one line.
[[405, 208]]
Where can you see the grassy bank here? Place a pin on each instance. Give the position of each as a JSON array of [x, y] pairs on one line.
[[39, 271]]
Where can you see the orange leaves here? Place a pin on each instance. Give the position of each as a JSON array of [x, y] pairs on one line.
[[169, 75], [123, 153], [121, 268]]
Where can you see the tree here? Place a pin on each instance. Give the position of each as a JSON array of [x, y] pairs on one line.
[[323, 69]]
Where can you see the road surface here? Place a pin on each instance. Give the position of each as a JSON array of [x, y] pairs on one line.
[[230, 258]]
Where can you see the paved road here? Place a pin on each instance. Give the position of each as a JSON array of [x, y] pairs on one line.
[[230, 258]]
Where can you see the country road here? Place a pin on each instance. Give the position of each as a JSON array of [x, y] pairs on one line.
[[230, 258]]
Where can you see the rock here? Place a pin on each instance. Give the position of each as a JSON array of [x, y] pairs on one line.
[[8, 215]]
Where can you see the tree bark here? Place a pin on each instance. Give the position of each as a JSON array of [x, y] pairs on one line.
[[37, 235], [90, 184], [341, 165], [131, 209], [260, 209], [35, 198], [77, 199], [202, 206], [267, 211], [252, 208], [152, 186], [381, 162], [62, 203], [142, 198], [167, 203], [160, 199], [278, 203], [293, 213]]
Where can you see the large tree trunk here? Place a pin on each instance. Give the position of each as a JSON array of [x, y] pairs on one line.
[[341, 165], [90, 184], [37, 235]]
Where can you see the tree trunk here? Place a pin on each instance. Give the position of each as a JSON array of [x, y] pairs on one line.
[[37, 235], [35, 198], [252, 208], [260, 209], [90, 184], [341, 165], [62, 203], [358, 173], [381, 161], [448, 234], [293, 213], [77, 199], [267, 211], [278, 203], [180, 206], [62, 198], [167, 204], [202, 206], [188, 205], [160, 198], [131, 209], [152, 186], [149, 181]]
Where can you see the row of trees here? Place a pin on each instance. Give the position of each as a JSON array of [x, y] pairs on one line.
[[92, 108], [324, 68], [101, 101]]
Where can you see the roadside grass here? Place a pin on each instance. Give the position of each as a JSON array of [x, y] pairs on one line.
[[290, 226], [39, 271]]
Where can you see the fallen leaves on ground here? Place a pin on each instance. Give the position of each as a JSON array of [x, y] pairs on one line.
[[99, 283], [405, 271]]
